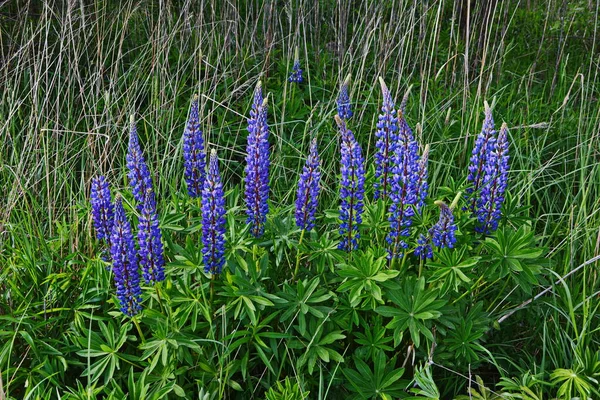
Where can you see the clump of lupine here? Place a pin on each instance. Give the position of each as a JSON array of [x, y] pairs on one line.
[[139, 174], [352, 188], [213, 217], [308, 190], [344, 108], [257, 164], [194, 158]]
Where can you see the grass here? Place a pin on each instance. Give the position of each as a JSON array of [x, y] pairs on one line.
[[71, 73]]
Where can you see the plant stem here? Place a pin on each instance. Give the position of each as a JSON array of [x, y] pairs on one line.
[[299, 253], [139, 329]]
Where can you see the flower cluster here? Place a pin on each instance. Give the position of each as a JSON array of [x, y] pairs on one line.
[[213, 215], [443, 233], [257, 165], [308, 190], [344, 108], [296, 75], [139, 175], [387, 138], [484, 145], [125, 267], [489, 204], [194, 158], [149, 239], [352, 188], [404, 189], [102, 208], [424, 250]]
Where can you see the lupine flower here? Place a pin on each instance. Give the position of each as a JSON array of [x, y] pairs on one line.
[[344, 108], [443, 232], [125, 267], [213, 215], [308, 190], [149, 239], [296, 75], [484, 145], [352, 188], [424, 250], [490, 202], [387, 138], [422, 185], [193, 152], [102, 208], [257, 165], [403, 191], [139, 175]]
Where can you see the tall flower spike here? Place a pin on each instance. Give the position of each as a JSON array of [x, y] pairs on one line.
[[387, 137], [125, 267], [490, 202], [422, 185], [257, 165], [344, 108], [424, 250], [194, 158], [213, 215], [139, 175], [149, 239], [352, 188], [403, 189], [308, 190], [443, 232], [103, 212], [296, 75], [484, 145]]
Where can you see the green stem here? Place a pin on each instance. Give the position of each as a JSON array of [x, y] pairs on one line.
[[299, 254], [139, 329], [162, 310]]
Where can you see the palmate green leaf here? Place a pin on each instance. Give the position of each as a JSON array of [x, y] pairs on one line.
[[381, 382]]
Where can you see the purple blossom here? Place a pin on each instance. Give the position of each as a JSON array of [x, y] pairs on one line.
[[352, 188], [422, 173], [387, 138], [308, 190], [484, 145], [103, 212], [344, 108], [125, 267], [149, 239], [139, 175], [257, 165], [404, 189], [443, 232], [194, 157], [213, 215], [424, 250], [489, 204], [296, 75]]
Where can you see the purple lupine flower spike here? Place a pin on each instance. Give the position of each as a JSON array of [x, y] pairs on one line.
[[296, 75], [344, 107], [490, 202], [403, 191], [257, 165], [424, 250], [213, 215], [352, 188], [124, 259], [149, 239], [139, 175], [422, 185], [193, 152], [484, 145], [387, 138], [443, 232], [102, 208], [308, 190]]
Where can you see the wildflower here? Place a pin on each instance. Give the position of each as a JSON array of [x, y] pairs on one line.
[[296, 75], [344, 108], [424, 250], [352, 188], [213, 215], [193, 152], [387, 137], [139, 175], [124, 258], [149, 239], [308, 190], [422, 185], [484, 145], [257, 165], [443, 232], [403, 191], [490, 202], [102, 208]]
